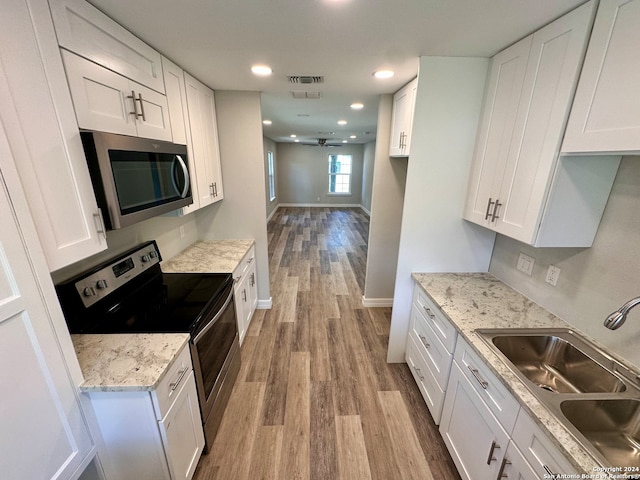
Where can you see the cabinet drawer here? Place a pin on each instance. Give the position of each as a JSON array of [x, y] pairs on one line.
[[431, 392], [538, 449], [169, 387], [244, 265], [438, 322], [496, 396], [437, 357]]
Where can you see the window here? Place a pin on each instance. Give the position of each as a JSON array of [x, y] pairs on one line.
[[340, 174], [272, 177]]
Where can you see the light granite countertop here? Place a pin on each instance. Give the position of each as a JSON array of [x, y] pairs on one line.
[[209, 256], [478, 300], [126, 362]]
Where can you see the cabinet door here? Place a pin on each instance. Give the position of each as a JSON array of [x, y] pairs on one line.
[[515, 467], [153, 110], [176, 101], [99, 96], [83, 29], [37, 112], [252, 291], [552, 72], [44, 434], [242, 306], [402, 120], [506, 78], [606, 111], [182, 432], [212, 145], [476, 441]]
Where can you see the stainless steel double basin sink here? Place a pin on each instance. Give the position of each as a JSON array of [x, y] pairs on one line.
[[593, 395]]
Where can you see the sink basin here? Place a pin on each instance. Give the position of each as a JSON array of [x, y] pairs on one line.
[[556, 364], [612, 426]]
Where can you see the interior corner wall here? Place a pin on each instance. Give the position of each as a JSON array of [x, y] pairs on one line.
[[303, 175], [270, 146], [368, 162], [388, 186], [241, 214], [434, 237]]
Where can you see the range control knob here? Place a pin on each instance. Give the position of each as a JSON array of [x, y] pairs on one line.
[[101, 284], [153, 254], [145, 258], [88, 292]]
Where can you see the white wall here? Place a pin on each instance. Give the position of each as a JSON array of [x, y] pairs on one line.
[[303, 174], [368, 162], [270, 146], [242, 212], [388, 185], [434, 238], [593, 281]]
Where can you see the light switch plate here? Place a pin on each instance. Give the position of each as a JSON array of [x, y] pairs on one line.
[[525, 264]]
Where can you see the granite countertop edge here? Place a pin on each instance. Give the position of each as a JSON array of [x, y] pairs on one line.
[[126, 362], [480, 300], [209, 256]]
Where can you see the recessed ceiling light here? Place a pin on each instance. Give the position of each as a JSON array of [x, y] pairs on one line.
[[383, 74], [296, 140], [345, 141], [261, 70], [293, 135], [352, 136], [357, 106], [267, 122], [342, 122]]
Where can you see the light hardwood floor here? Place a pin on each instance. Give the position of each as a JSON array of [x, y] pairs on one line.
[[315, 398]]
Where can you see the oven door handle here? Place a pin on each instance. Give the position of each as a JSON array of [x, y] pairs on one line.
[[215, 318]]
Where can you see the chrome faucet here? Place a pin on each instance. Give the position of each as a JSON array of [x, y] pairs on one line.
[[617, 318]]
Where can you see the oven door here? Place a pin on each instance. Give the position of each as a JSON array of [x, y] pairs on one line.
[[214, 343]]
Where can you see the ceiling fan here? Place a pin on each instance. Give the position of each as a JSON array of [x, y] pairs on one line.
[[322, 142]]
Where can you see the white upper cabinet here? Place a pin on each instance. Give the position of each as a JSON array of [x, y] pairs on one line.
[[402, 120], [606, 111], [176, 101], [41, 128], [519, 187], [204, 141], [83, 29]]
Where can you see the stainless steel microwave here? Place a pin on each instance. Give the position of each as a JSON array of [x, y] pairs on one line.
[[136, 178]]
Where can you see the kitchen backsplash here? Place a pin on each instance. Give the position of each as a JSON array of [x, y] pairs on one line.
[[593, 281]]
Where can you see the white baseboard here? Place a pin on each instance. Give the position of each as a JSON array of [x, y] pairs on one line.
[[273, 212], [376, 302], [365, 210], [323, 205], [265, 304]]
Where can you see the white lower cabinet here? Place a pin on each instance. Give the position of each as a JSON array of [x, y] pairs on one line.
[[245, 291], [152, 435]]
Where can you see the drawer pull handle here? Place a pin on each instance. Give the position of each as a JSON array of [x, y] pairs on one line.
[[174, 385], [483, 383], [501, 473], [488, 214], [550, 472], [424, 341], [494, 446], [429, 312], [418, 372]]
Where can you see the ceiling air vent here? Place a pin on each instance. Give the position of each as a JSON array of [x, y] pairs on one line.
[[306, 79]]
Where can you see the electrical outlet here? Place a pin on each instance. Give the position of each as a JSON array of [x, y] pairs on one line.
[[181, 231], [525, 264], [552, 275]]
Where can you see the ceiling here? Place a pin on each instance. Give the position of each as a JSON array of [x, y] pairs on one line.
[[345, 41]]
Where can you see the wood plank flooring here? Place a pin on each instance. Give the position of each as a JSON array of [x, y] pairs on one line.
[[315, 398]]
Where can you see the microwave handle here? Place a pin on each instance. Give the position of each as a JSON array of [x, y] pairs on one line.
[[187, 179]]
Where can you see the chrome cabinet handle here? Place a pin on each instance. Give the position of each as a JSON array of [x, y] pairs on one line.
[[244, 295], [215, 189], [250, 260], [252, 279], [99, 221], [211, 189], [424, 341], [429, 312], [550, 472], [144, 119], [236, 280], [495, 216], [488, 214], [494, 447], [501, 473], [174, 385], [418, 372], [135, 106], [483, 383]]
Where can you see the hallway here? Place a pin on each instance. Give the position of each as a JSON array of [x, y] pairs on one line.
[[315, 398]]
